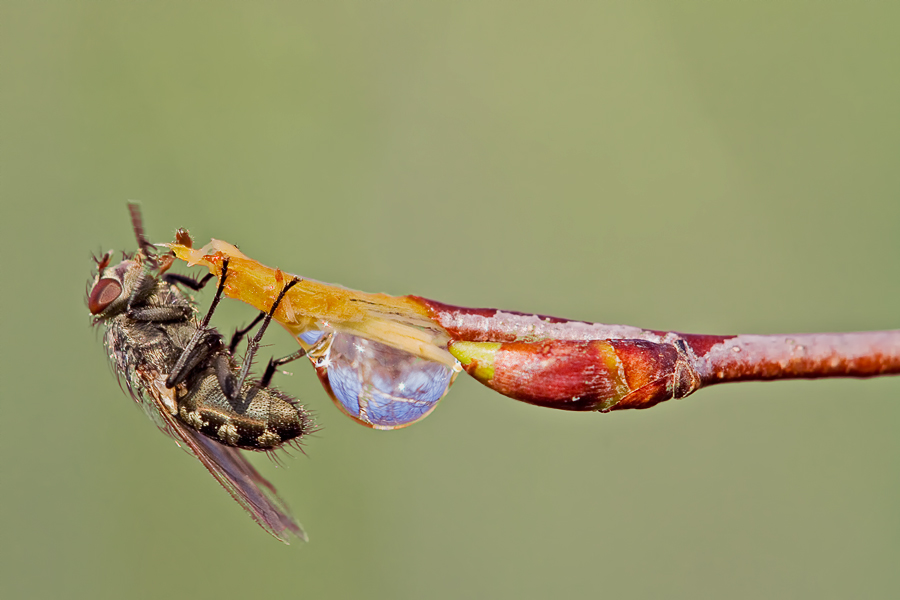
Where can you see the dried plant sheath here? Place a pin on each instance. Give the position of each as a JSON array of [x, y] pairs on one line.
[[547, 361]]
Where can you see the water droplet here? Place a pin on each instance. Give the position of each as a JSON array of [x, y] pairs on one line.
[[381, 386]]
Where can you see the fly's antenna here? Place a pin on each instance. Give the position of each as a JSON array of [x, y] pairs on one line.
[[145, 248], [102, 261], [137, 223]]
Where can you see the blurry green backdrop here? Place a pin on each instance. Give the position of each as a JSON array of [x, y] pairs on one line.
[[705, 167]]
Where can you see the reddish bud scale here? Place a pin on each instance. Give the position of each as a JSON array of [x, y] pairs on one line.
[[557, 374], [581, 375]]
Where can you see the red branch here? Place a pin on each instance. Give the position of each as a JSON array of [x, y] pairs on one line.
[[575, 365]]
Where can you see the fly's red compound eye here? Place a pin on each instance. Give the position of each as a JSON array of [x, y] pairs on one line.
[[104, 293]]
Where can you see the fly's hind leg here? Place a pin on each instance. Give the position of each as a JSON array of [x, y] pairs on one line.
[[275, 363]]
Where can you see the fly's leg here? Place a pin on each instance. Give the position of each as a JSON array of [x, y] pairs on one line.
[[160, 314], [186, 281], [215, 302], [223, 365], [275, 363], [140, 311], [240, 404], [240, 333], [202, 344], [253, 344]]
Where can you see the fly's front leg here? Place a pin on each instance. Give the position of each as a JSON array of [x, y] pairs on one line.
[[187, 281], [160, 314], [169, 312], [202, 344], [139, 311]]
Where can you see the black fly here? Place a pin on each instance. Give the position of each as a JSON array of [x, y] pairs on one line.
[[186, 378]]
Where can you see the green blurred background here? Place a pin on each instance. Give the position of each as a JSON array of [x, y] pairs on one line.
[[705, 167]]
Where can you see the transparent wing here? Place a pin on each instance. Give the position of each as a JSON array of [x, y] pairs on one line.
[[234, 473]]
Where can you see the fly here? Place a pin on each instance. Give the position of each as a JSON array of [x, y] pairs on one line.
[[186, 378]]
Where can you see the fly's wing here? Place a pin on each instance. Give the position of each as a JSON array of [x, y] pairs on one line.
[[234, 473]]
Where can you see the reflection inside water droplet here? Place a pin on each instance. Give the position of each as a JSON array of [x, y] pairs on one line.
[[312, 336]]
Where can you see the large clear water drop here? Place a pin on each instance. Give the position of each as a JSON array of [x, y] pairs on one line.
[[378, 385]]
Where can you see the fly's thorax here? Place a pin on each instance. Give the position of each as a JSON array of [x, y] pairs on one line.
[[259, 419], [146, 345]]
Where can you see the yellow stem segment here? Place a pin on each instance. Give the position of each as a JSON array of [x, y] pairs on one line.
[[397, 321]]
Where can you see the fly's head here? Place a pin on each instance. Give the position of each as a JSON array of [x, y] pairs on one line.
[[115, 288], [107, 294]]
